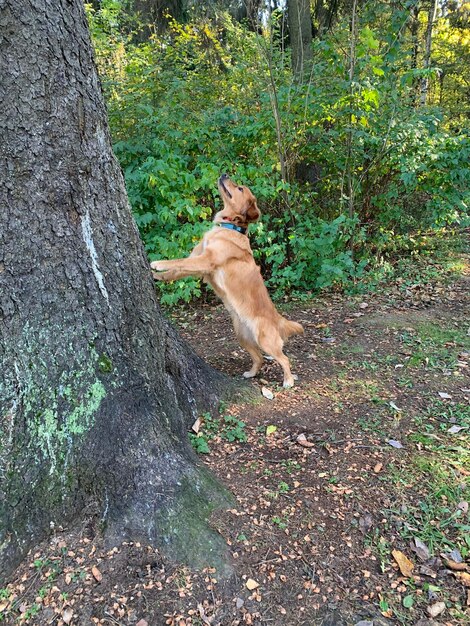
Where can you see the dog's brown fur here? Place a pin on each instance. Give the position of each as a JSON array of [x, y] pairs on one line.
[[224, 260]]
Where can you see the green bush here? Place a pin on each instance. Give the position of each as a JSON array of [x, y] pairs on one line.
[[198, 100]]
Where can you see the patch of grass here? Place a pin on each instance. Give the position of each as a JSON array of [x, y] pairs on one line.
[[434, 345], [226, 427], [372, 424], [380, 547], [291, 466], [281, 522], [416, 260], [432, 482]]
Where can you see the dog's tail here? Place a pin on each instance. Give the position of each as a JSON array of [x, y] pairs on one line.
[[289, 328]]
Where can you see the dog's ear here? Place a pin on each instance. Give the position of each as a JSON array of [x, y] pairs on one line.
[[252, 212]]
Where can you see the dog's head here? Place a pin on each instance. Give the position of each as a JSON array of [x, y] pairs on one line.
[[240, 206]]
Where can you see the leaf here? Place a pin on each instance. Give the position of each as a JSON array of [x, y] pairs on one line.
[[453, 430], [3, 605], [196, 426], [97, 575], [408, 602], [421, 549], [455, 565], [436, 609], [303, 441], [365, 523], [454, 556], [394, 407], [67, 616], [444, 396], [267, 393], [394, 443], [406, 566], [270, 429], [378, 467], [251, 584], [464, 578]]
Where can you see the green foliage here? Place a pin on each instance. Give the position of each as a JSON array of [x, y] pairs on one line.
[[227, 427], [197, 100]]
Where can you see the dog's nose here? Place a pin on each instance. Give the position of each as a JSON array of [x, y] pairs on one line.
[[224, 177]]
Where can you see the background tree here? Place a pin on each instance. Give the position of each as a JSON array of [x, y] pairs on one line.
[[432, 14], [211, 93], [96, 388], [300, 30]]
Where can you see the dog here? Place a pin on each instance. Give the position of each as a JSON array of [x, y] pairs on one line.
[[224, 260]]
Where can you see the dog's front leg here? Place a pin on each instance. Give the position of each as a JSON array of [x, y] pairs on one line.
[[180, 268], [166, 276]]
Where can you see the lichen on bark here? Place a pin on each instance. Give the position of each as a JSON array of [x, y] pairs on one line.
[[56, 386]]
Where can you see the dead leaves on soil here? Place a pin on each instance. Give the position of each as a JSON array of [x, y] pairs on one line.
[[406, 566]]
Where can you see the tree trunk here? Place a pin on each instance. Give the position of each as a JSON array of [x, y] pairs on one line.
[[325, 16], [300, 30], [427, 50], [157, 13], [97, 390]]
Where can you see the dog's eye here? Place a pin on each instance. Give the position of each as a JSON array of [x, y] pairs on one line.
[[240, 189]]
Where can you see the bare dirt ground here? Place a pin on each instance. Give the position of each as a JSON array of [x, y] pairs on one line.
[[351, 490]]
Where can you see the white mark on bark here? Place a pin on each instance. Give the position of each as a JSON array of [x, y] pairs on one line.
[[88, 239], [106, 507]]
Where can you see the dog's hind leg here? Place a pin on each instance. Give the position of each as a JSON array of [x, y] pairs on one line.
[[272, 344], [257, 358]]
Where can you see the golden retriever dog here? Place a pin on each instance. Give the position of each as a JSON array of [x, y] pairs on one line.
[[224, 260]]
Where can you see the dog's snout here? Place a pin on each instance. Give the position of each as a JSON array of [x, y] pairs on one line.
[[224, 176]]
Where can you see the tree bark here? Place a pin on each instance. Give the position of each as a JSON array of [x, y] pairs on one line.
[[97, 390], [414, 31], [325, 16], [432, 13], [300, 30]]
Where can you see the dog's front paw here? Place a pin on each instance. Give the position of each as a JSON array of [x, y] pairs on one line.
[[158, 275], [167, 276], [158, 266], [288, 383]]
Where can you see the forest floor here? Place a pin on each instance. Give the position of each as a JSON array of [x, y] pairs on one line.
[[351, 490]]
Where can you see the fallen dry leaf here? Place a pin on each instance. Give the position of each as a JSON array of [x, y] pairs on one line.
[[394, 443], [464, 578], [444, 396], [406, 566], [454, 565], [267, 393], [97, 575], [67, 616], [3, 605], [251, 584], [203, 616], [378, 467], [142, 622], [453, 430], [436, 609], [420, 548], [303, 441], [196, 426]]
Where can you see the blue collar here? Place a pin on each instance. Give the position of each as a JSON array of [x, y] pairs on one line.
[[239, 229]]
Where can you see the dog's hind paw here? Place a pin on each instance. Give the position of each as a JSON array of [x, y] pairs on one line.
[[249, 374]]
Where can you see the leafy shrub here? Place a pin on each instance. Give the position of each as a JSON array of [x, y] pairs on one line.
[[364, 164]]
